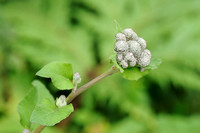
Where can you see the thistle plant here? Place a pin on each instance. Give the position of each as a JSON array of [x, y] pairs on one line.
[[39, 109]]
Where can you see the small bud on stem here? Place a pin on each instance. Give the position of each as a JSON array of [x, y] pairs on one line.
[[61, 101], [76, 80], [26, 131]]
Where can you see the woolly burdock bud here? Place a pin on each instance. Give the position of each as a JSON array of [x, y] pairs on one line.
[[119, 57], [26, 131], [124, 64], [130, 34], [135, 48], [147, 52], [61, 101], [145, 58], [121, 46], [76, 77], [129, 57], [133, 63], [142, 43], [120, 37]]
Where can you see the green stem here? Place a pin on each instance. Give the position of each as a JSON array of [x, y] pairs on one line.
[[39, 129], [80, 90]]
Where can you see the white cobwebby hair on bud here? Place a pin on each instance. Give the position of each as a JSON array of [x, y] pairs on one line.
[[135, 48], [120, 37], [119, 57], [142, 43], [133, 62], [147, 52], [77, 77], [131, 50], [124, 64], [130, 59], [121, 46], [130, 34], [144, 59], [129, 56]]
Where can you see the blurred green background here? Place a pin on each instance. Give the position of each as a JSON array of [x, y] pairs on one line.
[[36, 32]]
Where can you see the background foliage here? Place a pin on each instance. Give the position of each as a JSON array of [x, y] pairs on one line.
[[36, 32]]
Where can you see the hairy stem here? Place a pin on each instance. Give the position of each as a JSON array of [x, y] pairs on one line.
[[39, 129], [80, 90]]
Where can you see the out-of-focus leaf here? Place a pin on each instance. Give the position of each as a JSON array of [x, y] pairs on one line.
[[61, 74], [127, 126], [85, 116], [180, 124], [10, 124]]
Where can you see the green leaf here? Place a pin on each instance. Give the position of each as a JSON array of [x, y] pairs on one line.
[[38, 107], [114, 61], [61, 74], [42, 92], [30, 101], [155, 62], [134, 73], [26, 107], [48, 114]]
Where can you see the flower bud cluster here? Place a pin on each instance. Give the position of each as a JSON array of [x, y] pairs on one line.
[[131, 50]]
